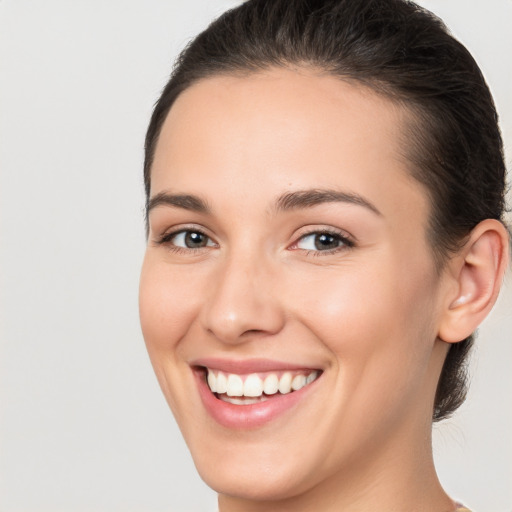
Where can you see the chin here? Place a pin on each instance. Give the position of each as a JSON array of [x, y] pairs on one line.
[[259, 470], [255, 483]]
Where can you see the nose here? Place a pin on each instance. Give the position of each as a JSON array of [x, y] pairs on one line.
[[243, 301]]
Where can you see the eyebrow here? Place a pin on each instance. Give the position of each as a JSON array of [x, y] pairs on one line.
[[313, 197], [289, 201], [184, 201]]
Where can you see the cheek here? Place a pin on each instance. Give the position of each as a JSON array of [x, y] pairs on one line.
[[168, 303], [377, 323], [350, 304], [385, 293]]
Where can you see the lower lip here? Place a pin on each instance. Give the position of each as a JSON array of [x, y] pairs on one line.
[[247, 416]]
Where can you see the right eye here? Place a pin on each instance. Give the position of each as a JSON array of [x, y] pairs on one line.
[[188, 239]]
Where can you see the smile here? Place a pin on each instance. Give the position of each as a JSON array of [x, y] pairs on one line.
[[256, 387], [245, 395]]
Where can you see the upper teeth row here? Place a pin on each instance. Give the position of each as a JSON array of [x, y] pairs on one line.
[[253, 385]]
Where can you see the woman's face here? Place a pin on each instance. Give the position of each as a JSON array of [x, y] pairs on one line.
[[288, 260]]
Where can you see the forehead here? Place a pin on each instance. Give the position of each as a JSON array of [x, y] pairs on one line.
[[286, 128]]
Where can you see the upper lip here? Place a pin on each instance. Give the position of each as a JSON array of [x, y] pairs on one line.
[[244, 366]]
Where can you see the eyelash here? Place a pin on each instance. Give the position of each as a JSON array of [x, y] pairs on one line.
[[347, 243], [166, 239]]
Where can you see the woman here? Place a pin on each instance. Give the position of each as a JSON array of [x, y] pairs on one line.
[[324, 189]]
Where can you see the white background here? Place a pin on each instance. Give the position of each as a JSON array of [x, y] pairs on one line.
[[83, 425]]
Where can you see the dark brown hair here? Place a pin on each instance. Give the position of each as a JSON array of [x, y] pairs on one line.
[[403, 52]]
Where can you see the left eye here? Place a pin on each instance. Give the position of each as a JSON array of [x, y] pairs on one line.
[[321, 242], [191, 240]]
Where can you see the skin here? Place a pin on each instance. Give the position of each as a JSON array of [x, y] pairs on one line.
[[369, 316]]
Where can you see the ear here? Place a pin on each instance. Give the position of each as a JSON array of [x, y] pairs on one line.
[[477, 273]]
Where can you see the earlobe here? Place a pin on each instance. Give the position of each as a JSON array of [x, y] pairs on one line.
[[478, 270]]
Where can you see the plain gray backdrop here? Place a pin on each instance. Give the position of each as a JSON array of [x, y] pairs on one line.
[[83, 425]]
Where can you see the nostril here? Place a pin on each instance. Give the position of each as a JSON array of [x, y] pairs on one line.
[[251, 332]]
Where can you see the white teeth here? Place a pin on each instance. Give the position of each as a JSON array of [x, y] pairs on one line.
[[271, 384], [212, 382], [299, 381], [222, 382], [235, 385], [243, 400], [285, 383], [309, 379], [254, 387]]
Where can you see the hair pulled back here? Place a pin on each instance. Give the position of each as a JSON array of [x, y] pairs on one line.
[[403, 52]]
